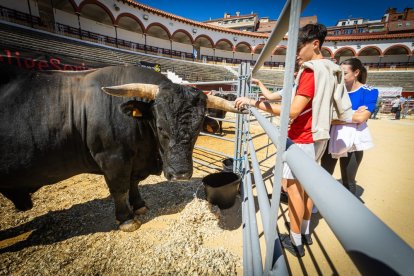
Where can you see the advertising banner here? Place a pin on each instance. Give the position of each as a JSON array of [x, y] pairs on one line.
[[386, 92], [39, 61]]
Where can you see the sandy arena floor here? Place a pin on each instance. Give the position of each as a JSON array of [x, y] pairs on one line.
[[72, 230]]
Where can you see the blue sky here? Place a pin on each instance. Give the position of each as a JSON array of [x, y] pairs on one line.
[[328, 12]]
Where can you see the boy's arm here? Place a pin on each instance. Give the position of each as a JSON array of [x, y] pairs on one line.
[[298, 105]]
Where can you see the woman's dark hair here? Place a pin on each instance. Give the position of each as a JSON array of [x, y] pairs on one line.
[[356, 64], [311, 32]]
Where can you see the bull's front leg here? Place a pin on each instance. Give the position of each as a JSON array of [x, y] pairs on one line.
[[135, 199], [221, 127], [117, 172], [119, 189]]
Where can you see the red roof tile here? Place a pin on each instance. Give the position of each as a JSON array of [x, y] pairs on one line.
[[259, 35], [193, 22], [368, 36]]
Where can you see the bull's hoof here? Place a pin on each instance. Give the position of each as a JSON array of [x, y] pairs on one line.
[[130, 225], [23, 205], [141, 211]]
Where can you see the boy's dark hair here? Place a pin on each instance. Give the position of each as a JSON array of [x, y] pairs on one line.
[[356, 64], [311, 32]]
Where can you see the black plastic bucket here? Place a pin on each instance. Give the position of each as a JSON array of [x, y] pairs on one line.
[[221, 188], [228, 165]]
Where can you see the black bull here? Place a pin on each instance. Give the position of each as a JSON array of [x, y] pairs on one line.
[[54, 125]]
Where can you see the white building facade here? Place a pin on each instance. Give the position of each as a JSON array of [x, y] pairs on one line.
[[134, 26]]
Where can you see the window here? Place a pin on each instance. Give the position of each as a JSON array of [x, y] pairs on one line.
[[348, 31], [343, 23], [355, 22], [360, 30], [407, 24], [337, 32]]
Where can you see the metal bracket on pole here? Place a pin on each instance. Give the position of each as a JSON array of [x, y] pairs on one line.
[[244, 77]]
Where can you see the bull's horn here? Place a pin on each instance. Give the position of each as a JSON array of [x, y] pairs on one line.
[[222, 104], [140, 90]]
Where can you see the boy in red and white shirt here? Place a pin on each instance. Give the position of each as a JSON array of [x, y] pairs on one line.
[[311, 38]]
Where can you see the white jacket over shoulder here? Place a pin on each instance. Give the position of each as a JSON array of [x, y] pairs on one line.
[[331, 100]]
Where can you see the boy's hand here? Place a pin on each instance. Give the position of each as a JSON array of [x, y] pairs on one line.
[[240, 102]]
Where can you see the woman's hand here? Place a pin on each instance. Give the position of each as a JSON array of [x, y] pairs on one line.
[[361, 115], [361, 108], [240, 102]]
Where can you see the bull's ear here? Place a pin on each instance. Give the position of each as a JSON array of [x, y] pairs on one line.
[[222, 104], [139, 90], [135, 109]]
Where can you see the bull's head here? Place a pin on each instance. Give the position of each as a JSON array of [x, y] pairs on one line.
[[179, 116]]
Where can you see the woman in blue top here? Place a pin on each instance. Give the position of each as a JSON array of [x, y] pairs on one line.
[[363, 100]]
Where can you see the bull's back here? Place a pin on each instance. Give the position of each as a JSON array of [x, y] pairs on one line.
[[36, 132], [53, 124]]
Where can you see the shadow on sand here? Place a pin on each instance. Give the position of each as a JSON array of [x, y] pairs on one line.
[[97, 215]]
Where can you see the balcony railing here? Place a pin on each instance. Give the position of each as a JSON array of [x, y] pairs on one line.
[[19, 17], [62, 29]]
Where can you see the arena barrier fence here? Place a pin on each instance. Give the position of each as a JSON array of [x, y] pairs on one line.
[[241, 85], [376, 249]]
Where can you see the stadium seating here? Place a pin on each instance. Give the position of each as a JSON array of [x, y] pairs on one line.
[[96, 55]]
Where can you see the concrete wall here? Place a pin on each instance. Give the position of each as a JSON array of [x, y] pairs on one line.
[[97, 27], [245, 56], [369, 59], [157, 42], [66, 18], [130, 36]]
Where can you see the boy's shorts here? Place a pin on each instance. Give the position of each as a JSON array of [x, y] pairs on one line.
[[314, 150]]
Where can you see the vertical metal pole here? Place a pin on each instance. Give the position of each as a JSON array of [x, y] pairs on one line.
[[274, 257], [79, 25], [247, 242], [251, 216], [116, 35], [30, 13], [242, 89], [145, 43]]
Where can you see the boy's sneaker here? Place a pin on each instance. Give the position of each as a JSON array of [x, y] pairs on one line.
[[306, 238], [287, 244]]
